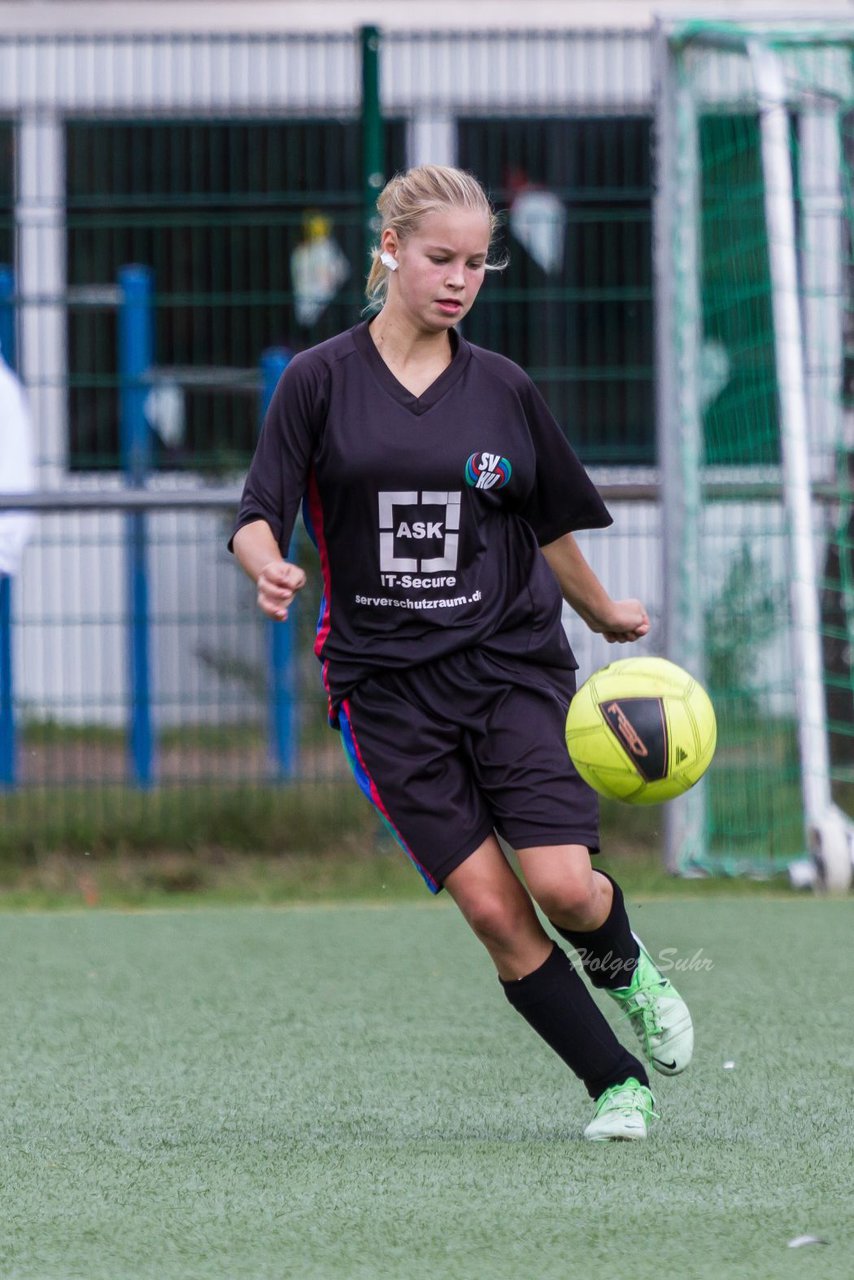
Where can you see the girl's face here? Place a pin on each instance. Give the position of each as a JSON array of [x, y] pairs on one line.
[[441, 267]]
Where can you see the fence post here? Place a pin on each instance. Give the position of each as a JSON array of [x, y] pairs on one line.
[[7, 690], [136, 356], [373, 159], [284, 726], [7, 316]]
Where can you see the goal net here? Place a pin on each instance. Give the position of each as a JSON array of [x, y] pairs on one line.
[[755, 277]]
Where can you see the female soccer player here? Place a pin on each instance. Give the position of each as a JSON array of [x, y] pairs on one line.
[[443, 497]]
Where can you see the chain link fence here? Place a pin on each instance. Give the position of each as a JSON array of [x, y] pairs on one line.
[[233, 177]]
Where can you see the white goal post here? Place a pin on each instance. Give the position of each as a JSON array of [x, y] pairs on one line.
[[775, 75]]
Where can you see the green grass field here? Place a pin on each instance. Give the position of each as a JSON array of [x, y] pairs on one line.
[[342, 1093]]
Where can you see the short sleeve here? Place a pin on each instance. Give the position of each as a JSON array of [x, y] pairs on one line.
[[278, 474], [563, 498]]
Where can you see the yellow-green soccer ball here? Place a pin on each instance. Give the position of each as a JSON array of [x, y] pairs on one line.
[[641, 730]]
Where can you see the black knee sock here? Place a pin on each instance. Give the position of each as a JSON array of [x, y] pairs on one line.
[[556, 1003], [610, 953]]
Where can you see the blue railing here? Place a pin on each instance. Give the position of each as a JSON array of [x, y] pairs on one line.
[[137, 369]]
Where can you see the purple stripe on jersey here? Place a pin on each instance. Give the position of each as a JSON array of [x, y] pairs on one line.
[[316, 533], [368, 788]]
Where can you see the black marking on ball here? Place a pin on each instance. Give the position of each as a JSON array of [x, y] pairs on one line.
[[640, 727]]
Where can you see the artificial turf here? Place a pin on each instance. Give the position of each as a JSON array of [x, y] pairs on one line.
[[343, 1093]]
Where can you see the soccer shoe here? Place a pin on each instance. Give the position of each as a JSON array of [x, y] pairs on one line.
[[622, 1113], [658, 1014]]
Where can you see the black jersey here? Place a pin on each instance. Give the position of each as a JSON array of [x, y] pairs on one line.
[[428, 512]]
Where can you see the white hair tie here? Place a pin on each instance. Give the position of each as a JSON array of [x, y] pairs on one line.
[[388, 261]]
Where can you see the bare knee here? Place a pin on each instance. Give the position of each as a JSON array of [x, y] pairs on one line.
[[573, 902], [510, 932], [562, 882], [499, 910], [496, 921]]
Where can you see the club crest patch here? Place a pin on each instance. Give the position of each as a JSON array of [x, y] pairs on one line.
[[488, 471]]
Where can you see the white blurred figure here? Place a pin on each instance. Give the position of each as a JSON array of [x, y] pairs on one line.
[[538, 222], [166, 414], [715, 371], [318, 269], [17, 468]]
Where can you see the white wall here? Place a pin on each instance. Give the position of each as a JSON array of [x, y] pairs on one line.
[[102, 16]]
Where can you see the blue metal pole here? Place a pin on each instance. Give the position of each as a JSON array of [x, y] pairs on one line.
[[284, 730], [7, 316], [7, 690], [136, 356]]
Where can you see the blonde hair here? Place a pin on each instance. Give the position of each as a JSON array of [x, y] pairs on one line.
[[409, 197]]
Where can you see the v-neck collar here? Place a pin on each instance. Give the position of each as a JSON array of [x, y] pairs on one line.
[[460, 356]]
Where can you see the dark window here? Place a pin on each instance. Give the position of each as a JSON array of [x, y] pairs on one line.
[[575, 306], [216, 211], [740, 420]]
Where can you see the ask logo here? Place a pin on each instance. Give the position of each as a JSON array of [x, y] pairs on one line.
[[419, 533]]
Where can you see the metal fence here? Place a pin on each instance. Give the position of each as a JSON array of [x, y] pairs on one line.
[[223, 176], [139, 632]]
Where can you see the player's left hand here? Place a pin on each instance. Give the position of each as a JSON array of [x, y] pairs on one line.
[[626, 620]]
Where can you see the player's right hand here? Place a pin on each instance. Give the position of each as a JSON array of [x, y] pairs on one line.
[[277, 583]]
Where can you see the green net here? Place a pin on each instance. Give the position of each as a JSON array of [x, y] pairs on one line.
[[753, 803]]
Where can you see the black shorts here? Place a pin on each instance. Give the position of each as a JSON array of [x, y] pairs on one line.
[[453, 750]]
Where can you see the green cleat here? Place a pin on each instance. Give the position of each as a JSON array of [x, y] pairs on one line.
[[622, 1113], [658, 1014]]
